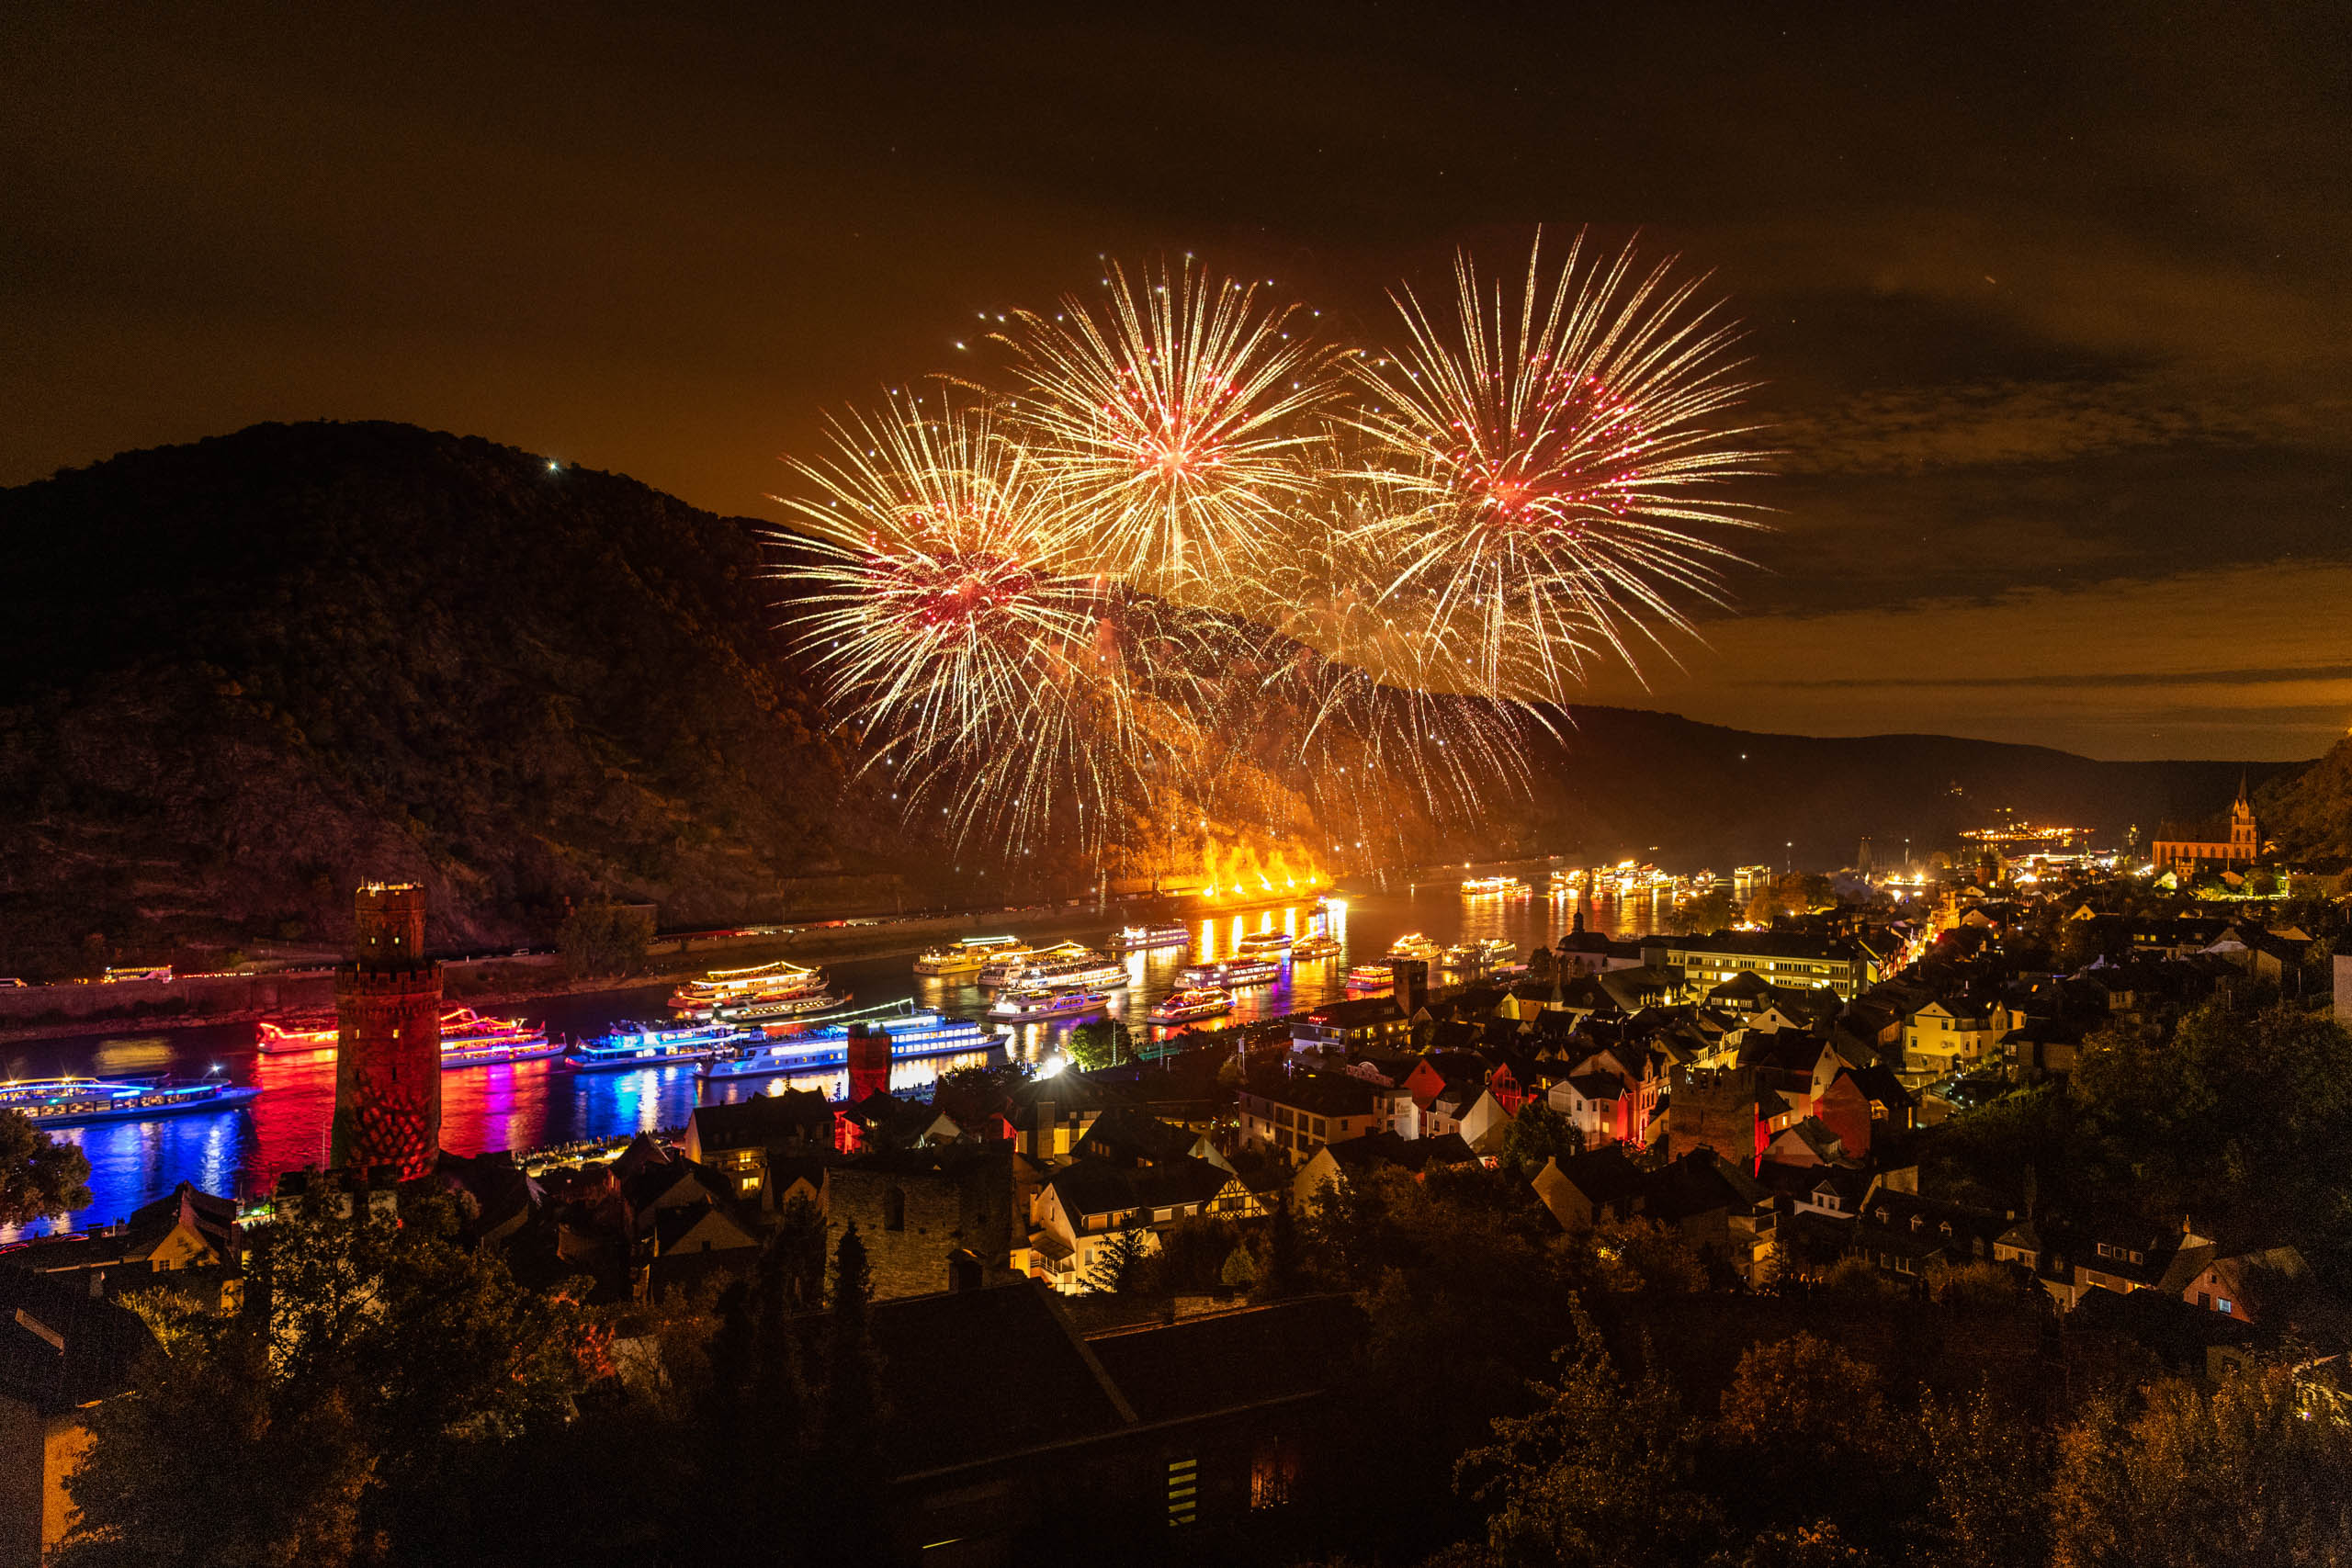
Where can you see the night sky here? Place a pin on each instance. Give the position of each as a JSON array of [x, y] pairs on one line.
[[2053, 303]]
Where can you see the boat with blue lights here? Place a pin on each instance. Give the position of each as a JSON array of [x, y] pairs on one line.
[[647, 1045], [913, 1034], [78, 1102]]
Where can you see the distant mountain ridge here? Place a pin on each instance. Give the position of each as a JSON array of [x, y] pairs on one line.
[[239, 675]]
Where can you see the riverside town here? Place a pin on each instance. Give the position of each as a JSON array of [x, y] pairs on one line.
[[1431, 787]]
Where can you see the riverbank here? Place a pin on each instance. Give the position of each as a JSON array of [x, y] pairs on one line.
[[203, 1000]]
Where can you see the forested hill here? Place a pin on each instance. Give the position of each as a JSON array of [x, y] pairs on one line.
[[1620, 780], [240, 676], [2309, 811], [237, 676]]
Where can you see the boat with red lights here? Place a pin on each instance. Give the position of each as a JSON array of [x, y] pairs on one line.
[[1198, 1001], [1035, 1007], [1371, 977], [468, 1039]]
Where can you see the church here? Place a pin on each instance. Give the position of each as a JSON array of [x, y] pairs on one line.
[[2217, 842]]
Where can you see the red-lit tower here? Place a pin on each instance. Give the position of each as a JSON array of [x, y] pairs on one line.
[[388, 1051], [869, 1062]]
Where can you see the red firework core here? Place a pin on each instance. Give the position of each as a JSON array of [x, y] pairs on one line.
[[1557, 466], [957, 592]]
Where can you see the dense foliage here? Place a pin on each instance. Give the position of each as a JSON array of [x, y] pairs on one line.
[[239, 676], [40, 1178]]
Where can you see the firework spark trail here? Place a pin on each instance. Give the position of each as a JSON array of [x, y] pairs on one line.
[[947, 615], [1172, 424], [1172, 564], [1551, 467]]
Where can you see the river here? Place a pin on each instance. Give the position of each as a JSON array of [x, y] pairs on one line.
[[533, 1104]]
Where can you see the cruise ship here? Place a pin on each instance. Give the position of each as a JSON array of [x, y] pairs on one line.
[[648, 1046], [1312, 946], [968, 955], [779, 981], [1264, 944], [296, 1036], [1034, 1006], [78, 1102], [1006, 962], [468, 1039], [1137, 939], [1413, 944], [1494, 887], [769, 1010], [1371, 977], [1093, 972], [1232, 973], [1199, 1002], [911, 1034]]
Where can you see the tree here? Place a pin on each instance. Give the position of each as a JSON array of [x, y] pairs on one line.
[[1539, 963], [1709, 911], [1602, 1472], [849, 1458], [1988, 1471], [1102, 1044], [361, 1405], [605, 938], [1118, 1263], [2245, 1474], [1536, 1134], [41, 1179]]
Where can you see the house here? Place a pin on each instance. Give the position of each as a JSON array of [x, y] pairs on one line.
[[1469, 1110], [1129, 1441], [1791, 958], [2236, 1286], [1337, 1164], [64, 1349], [1357, 1023], [1951, 1034], [742, 1141], [1902, 1234], [2121, 1255], [1595, 1188], [1296, 1114], [1087, 1202], [185, 1230], [1718, 1208]]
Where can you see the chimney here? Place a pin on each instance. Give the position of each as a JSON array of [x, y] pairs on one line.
[[1045, 1117]]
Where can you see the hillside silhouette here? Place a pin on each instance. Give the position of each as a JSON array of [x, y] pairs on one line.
[[237, 676]]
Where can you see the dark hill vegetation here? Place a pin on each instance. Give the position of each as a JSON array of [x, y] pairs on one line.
[[239, 675], [2310, 811]]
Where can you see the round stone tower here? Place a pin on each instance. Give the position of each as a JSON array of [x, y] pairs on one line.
[[868, 1054], [388, 1052]]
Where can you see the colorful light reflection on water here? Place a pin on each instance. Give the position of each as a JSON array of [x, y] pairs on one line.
[[535, 1104]]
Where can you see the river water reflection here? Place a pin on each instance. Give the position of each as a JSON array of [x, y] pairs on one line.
[[533, 1104]]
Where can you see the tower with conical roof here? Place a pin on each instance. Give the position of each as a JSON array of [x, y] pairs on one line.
[[388, 1044]]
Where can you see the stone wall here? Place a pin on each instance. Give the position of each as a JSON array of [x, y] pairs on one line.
[[937, 1210]]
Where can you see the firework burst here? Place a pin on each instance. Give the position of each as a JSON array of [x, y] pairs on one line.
[[940, 603], [1170, 425], [1549, 466]]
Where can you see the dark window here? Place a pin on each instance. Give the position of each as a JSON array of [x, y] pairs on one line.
[[894, 1210]]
